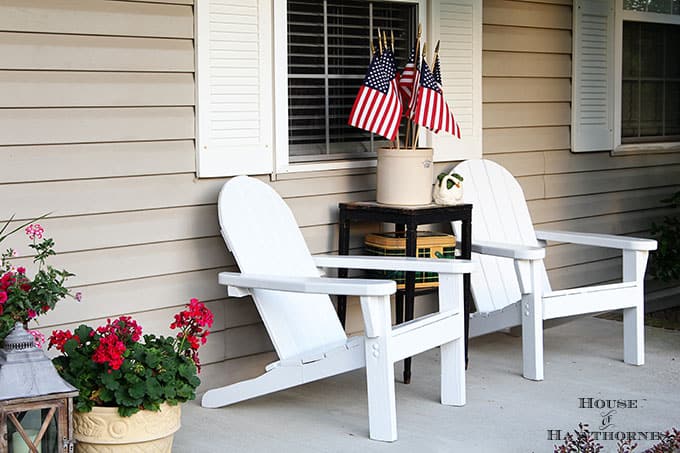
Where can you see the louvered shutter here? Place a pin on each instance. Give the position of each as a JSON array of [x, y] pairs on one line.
[[592, 123], [234, 87], [458, 25]]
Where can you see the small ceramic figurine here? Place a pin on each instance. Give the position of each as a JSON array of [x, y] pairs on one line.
[[449, 189]]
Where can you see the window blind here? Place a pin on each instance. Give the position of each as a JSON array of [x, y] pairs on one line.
[[328, 54]]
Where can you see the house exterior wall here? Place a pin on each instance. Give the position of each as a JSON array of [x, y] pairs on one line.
[[97, 126]]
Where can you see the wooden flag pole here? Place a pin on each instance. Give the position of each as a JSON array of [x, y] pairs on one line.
[[380, 42], [417, 131], [416, 55]]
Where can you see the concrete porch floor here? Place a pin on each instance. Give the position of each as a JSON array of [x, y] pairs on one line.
[[504, 412]]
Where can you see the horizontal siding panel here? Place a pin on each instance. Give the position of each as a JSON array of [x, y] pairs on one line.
[[557, 209], [148, 260], [81, 125], [33, 51], [568, 162], [95, 160], [246, 340], [521, 164], [323, 210], [519, 64], [525, 139], [526, 114], [571, 254], [585, 274], [234, 370], [532, 186], [563, 185], [239, 312], [94, 89], [519, 39], [66, 198], [508, 89], [525, 14], [105, 231], [636, 223], [90, 232], [139, 295], [86, 17], [307, 187], [139, 261]]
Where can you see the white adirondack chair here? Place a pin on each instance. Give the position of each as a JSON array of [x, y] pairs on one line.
[[511, 287], [281, 275]]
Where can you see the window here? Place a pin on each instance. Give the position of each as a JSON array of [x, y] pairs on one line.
[[328, 53], [650, 95], [626, 76]]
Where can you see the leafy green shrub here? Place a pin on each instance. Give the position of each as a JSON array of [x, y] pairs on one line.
[[666, 263]]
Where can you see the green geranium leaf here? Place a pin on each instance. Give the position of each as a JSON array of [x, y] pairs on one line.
[[110, 381]]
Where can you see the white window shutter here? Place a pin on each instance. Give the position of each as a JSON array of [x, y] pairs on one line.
[[458, 25], [592, 122], [234, 105]]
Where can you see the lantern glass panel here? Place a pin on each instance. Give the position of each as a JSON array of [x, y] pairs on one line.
[[31, 422]]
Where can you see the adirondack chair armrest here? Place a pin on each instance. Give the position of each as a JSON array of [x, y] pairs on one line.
[[598, 240], [408, 264], [507, 250], [316, 285]]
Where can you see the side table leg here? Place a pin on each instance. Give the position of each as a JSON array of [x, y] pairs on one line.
[[343, 249], [466, 254], [410, 290]]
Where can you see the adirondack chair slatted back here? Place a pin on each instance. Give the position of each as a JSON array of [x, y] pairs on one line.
[[262, 234], [500, 214]]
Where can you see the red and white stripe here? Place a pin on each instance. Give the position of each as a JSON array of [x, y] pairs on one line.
[[433, 112], [377, 112]]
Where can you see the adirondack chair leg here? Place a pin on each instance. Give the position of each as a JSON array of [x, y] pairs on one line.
[[634, 264], [532, 329], [279, 378], [452, 353], [382, 409]]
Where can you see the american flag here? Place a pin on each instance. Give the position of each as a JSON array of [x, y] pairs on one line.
[[377, 107], [432, 111], [408, 83]]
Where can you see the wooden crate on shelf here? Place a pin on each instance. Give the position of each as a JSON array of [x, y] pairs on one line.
[[429, 244]]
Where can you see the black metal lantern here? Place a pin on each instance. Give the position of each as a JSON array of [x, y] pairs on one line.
[[36, 404]]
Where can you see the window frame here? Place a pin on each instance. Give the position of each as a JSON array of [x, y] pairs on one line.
[[282, 163], [621, 15]]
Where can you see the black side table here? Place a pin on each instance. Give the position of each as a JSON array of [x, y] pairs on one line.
[[407, 218]]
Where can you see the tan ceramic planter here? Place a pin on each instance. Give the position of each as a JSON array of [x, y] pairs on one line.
[[404, 176], [103, 430]]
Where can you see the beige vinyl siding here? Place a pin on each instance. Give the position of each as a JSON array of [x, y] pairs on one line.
[[527, 108], [97, 126]]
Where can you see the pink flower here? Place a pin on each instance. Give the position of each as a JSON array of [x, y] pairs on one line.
[[31, 314], [39, 338], [21, 270], [78, 296], [34, 231], [3, 297]]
